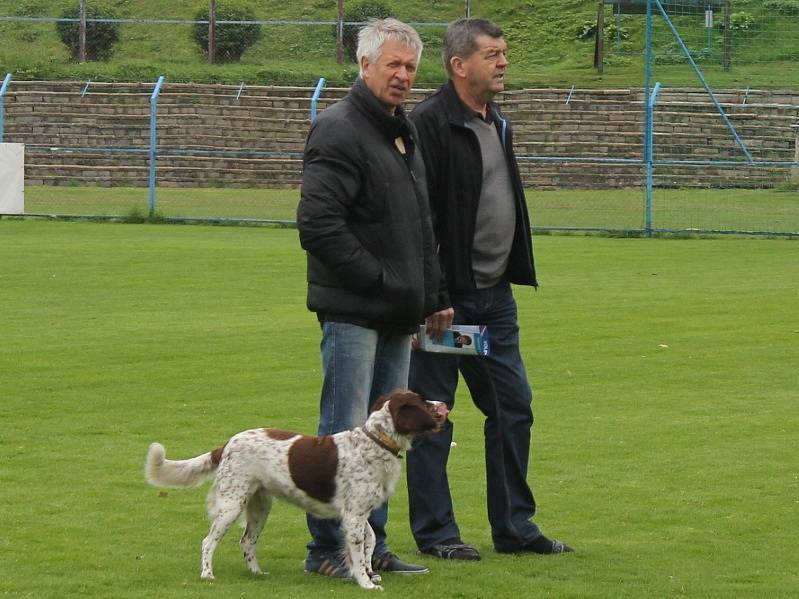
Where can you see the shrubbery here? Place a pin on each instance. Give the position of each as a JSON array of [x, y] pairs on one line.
[[232, 40], [100, 37], [588, 30], [741, 21], [783, 7], [370, 9]]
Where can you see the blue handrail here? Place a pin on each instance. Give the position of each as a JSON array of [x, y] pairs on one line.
[[320, 85], [3, 90], [153, 140]]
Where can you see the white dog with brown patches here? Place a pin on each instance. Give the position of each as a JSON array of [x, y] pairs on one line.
[[342, 476]]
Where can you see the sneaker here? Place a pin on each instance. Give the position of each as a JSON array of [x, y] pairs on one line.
[[541, 545], [454, 549], [388, 562], [327, 565]]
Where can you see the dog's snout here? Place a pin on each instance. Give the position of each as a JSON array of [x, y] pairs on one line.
[[440, 408]]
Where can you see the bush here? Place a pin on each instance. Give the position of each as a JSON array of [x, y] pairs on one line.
[[370, 9], [231, 40], [588, 31], [100, 37], [741, 21], [783, 7]]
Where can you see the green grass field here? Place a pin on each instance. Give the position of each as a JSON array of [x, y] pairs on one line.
[[664, 444], [766, 210]]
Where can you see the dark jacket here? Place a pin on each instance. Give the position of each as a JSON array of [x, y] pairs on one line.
[[364, 218], [454, 179]]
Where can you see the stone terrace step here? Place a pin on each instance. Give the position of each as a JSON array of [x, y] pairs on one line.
[[263, 119]]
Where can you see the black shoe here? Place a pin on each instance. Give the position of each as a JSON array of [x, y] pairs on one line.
[[388, 562], [454, 549], [542, 546]]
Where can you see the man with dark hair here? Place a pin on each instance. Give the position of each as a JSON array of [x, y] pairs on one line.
[[373, 272], [483, 230]]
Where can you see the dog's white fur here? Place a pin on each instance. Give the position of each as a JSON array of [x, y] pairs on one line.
[[347, 474]]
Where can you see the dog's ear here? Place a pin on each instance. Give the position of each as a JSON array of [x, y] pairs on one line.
[[410, 414], [379, 403], [399, 394]]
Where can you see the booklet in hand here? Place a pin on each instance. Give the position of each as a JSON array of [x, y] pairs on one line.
[[469, 339]]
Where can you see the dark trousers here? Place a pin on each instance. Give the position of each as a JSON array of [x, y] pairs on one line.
[[499, 388]]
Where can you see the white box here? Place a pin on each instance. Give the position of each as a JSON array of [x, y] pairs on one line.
[[12, 178], [470, 339]]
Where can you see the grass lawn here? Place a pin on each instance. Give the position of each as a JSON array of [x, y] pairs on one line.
[[771, 210], [664, 445]]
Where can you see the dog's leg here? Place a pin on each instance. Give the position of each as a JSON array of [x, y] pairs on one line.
[[258, 508], [353, 531], [368, 550], [227, 504]]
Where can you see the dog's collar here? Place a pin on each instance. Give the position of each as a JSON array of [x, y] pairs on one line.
[[384, 441]]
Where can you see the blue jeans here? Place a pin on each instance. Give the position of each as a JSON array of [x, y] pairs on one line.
[[359, 366], [499, 388]]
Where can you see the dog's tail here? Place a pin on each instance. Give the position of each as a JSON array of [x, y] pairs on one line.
[[161, 472]]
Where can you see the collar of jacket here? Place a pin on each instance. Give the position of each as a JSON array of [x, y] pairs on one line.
[[391, 126], [459, 114]]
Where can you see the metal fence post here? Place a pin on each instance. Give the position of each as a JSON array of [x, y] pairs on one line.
[[648, 125], [3, 91], [320, 85], [82, 32], [649, 153], [211, 31], [795, 167], [340, 33], [153, 141]]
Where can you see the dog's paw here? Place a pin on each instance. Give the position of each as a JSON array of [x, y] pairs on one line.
[[207, 576], [375, 578], [371, 587]]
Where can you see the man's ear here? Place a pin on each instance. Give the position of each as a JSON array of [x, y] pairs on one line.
[[364, 64], [456, 63]]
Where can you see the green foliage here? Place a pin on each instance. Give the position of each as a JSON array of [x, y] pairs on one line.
[[783, 7], [588, 30], [369, 9], [100, 37], [32, 8], [741, 21], [672, 53], [542, 35], [232, 40]]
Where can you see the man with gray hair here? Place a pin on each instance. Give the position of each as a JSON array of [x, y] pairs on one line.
[[483, 231], [373, 271]]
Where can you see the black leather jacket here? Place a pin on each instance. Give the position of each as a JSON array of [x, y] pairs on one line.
[[364, 218], [454, 179]]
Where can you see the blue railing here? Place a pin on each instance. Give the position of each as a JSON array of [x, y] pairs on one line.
[[3, 91], [153, 142]]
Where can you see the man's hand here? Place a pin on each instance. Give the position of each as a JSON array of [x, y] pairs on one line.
[[438, 322]]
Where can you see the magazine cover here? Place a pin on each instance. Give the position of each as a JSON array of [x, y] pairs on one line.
[[470, 339]]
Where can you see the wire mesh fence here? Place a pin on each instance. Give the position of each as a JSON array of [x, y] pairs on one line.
[[720, 34], [722, 158]]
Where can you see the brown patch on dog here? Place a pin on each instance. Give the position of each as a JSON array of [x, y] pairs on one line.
[[279, 435], [216, 455], [410, 413], [312, 465]]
